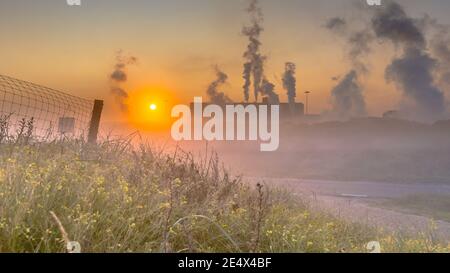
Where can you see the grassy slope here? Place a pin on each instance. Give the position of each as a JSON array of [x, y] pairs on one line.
[[112, 199]]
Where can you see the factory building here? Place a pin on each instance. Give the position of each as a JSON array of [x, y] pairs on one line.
[[287, 110]]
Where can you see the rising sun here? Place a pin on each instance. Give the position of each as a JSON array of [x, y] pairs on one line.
[[149, 108]]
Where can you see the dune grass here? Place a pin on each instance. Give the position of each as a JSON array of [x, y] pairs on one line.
[[111, 197]]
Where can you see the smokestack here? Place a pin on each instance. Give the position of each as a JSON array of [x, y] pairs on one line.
[[289, 82]]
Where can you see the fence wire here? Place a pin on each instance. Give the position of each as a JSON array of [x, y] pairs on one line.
[[53, 113]]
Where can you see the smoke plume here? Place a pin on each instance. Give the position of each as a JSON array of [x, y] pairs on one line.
[[254, 60], [347, 97], [392, 23], [216, 96], [268, 90], [413, 70], [289, 82], [337, 24], [119, 76], [358, 42], [440, 46], [247, 81]]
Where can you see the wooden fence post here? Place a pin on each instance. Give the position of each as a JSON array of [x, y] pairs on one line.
[[95, 121]]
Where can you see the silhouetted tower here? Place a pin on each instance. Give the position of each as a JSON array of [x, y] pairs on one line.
[[307, 102]]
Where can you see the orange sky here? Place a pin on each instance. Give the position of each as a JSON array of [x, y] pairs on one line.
[[177, 45]]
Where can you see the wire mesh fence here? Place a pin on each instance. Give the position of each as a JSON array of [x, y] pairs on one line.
[[50, 113]]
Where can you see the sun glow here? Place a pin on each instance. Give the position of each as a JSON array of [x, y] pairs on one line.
[[149, 108]]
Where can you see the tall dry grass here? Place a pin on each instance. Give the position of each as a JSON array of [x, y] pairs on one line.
[[112, 197]]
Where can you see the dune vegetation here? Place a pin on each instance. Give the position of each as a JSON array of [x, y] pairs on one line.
[[114, 197]]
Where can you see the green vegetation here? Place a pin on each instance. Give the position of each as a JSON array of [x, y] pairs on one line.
[[112, 198]]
